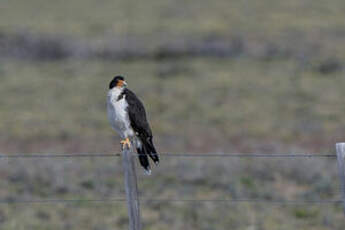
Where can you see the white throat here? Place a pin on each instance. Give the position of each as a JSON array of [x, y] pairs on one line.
[[117, 112], [116, 91]]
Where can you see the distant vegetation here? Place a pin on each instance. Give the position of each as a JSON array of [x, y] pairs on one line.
[[215, 76]]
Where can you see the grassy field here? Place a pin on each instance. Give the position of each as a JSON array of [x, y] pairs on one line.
[[222, 100], [95, 19], [215, 76], [175, 178]]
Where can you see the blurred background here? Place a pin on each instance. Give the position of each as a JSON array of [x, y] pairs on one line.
[[215, 77]]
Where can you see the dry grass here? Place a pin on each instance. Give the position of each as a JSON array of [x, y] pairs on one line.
[[220, 76]]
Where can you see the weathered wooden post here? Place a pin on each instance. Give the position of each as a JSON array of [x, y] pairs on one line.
[[131, 188], [341, 168]]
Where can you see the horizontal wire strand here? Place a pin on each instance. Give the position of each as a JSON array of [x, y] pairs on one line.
[[252, 155], [239, 155], [112, 200], [72, 155]]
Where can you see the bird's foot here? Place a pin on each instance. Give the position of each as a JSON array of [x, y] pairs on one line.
[[126, 142]]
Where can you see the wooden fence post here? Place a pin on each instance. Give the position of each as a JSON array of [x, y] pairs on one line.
[[131, 188], [341, 168]]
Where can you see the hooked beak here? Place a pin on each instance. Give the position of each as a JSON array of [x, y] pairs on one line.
[[121, 83]]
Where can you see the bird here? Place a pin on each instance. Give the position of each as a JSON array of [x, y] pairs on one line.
[[127, 117]]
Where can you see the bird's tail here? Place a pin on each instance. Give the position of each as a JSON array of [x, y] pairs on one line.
[[143, 159], [151, 150], [145, 149]]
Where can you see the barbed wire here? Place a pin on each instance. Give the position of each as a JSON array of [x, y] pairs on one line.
[[163, 200], [47, 155], [239, 155]]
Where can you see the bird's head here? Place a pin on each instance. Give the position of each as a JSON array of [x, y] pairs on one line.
[[118, 81]]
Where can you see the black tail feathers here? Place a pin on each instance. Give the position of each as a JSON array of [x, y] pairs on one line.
[[144, 160], [147, 149], [151, 150]]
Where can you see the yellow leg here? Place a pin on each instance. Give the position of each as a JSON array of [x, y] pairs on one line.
[[126, 142]]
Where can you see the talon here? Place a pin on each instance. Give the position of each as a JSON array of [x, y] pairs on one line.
[[126, 142]]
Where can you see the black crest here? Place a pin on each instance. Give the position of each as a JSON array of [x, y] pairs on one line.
[[115, 80]]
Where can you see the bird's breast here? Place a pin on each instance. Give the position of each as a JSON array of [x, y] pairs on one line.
[[117, 113], [118, 109]]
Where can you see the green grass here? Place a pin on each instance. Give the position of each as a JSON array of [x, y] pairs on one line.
[[223, 99], [175, 178], [261, 100], [204, 105], [159, 20]]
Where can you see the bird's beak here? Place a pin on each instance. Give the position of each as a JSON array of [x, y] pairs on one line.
[[121, 83]]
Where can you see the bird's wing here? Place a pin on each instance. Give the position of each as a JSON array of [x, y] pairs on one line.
[[137, 114], [140, 125]]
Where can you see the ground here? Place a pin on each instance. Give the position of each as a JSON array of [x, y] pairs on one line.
[[215, 77]]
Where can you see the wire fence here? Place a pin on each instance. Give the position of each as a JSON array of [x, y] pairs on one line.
[[10, 201], [164, 200], [239, 155]]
